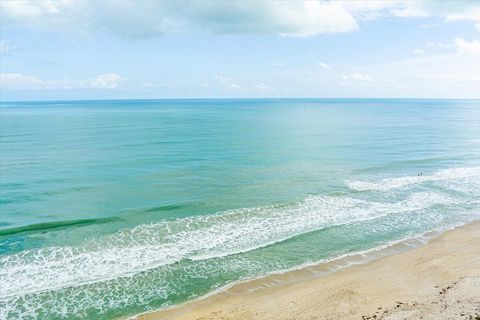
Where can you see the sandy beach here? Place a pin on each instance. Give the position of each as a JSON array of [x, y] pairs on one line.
[[438, 280]]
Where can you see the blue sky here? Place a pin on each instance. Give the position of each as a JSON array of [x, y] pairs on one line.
[[69, 49]]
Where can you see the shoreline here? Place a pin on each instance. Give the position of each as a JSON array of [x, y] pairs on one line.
[[258, 298]]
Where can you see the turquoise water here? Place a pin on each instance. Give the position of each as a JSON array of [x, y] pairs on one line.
[[111, 208]]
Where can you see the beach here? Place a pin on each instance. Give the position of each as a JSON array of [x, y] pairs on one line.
[[438, 280]]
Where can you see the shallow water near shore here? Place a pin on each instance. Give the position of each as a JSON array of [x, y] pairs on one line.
[[112, 208]]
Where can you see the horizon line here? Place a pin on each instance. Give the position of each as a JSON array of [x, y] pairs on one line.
[[233, 98]]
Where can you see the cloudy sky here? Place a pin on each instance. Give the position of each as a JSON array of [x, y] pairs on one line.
[[67, 49]]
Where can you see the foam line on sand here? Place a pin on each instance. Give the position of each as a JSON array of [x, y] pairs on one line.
[[438, 280]]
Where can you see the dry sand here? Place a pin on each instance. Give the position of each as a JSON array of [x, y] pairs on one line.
[[440, 280]]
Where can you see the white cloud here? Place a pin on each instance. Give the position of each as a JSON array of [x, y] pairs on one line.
[[429, 25], [464, 46], [62, 15], [143, 19], [285, 18], [408, 12], [227, 82], [146, 84], [313, 17], [419, 52], [4, 46], [450, 77], [372, 9], [28, 9], [262, 86], [323, 65], [307, 79], [440, 45], [460, 10], [18, 81], [277, 64], [106, 81], [470, 13], [356, 76]]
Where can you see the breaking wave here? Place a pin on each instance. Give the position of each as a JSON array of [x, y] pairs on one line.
[[394, 183]]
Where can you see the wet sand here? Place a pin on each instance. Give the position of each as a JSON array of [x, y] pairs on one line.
[[438, 280]]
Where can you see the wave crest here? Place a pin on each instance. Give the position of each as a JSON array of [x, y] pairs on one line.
[[144, 247], [394, 183]]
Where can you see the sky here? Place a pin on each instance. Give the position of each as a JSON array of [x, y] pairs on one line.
[[122, 49]]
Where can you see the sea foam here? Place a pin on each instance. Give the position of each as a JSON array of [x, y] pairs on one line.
[[144, 247], [393, 183]]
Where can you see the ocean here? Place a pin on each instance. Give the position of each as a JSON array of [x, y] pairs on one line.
[[113, 208]]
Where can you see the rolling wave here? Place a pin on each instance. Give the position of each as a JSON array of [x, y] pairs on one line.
[[144, 247], [97, 273], [47, 226], [394, 183]]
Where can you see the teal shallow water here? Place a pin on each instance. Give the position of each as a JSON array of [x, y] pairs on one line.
[[111, 208]]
